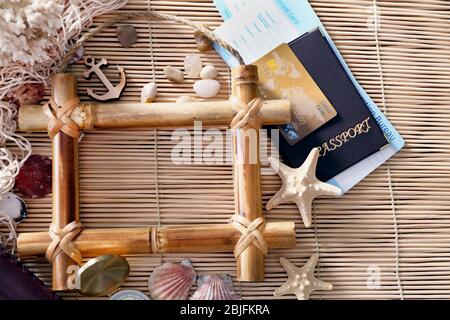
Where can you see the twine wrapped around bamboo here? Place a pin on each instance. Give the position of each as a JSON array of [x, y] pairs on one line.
[[96, 115], [176, 239]]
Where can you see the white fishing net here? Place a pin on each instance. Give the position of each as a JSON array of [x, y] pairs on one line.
[[8, 240], [76, 16]]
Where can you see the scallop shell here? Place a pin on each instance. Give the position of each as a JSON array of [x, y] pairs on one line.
[[215, 287], [171, 281]]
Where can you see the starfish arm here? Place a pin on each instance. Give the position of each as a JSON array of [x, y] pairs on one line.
[[322, 285], [280, 168], [279, 198], [312, 262], [310, 164], [326, 189], [302, 295], [304, 206], [288, 266], [284, 289]]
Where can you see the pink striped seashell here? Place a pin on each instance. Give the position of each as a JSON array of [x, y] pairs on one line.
[[171, 281], [215, 287]]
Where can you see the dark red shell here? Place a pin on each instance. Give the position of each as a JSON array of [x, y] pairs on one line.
[[29, 93], [35, 177]]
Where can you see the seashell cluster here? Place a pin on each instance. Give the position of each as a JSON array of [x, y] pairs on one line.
[[215, 287], [171, 281], [206, 87]]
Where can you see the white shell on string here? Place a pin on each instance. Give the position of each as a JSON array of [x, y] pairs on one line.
[[13, 206]]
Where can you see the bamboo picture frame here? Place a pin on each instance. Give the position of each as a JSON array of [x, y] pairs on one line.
[[201, 238]]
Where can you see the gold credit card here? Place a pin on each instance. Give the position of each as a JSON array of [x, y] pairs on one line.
[[282, 76]]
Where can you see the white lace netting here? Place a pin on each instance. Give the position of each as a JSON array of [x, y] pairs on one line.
[[9, 240], [76, 17]]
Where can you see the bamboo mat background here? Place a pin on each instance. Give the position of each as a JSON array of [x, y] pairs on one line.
[[395, 222]]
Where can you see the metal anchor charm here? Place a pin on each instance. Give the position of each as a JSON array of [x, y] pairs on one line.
[[113, 92]]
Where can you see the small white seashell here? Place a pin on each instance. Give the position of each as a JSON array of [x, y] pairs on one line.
[[148, 92], [182, 99], [207, 88], [193, 65], [173, 74], [215, 287], [13, 206], [209, 72], [171, 281]]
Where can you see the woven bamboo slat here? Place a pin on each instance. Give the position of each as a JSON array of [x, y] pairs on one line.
[[395, 221]]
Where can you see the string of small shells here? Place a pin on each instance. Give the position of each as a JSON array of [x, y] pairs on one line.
[[150, 14]]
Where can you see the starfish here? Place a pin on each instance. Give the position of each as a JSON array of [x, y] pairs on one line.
[[301, 281], [301, 186]]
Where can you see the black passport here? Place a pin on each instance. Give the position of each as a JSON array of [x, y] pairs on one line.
[[349, 137]]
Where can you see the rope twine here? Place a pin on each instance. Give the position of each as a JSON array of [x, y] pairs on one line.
[[62, 241], [10, 162], [9, 239], [146, 14], [247, 114], [251, 233], [59, 118]]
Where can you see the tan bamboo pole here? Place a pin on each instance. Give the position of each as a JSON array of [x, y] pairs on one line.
[[247, 172], [177, 239], [92, 115], [65, 205]]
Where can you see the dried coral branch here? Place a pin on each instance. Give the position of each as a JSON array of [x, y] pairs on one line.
[[44, 37]]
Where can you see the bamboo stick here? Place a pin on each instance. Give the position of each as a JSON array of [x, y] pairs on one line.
[[94, 115], [247, 173], [65, 177], [177, 239]]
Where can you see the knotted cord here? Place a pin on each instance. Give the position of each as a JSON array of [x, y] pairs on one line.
[[251, 233], [247, 114], [150, 14], [59, 118], [62, 241]]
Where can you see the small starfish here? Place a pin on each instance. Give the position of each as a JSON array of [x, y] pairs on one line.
[[301, 281], [301, 186]]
